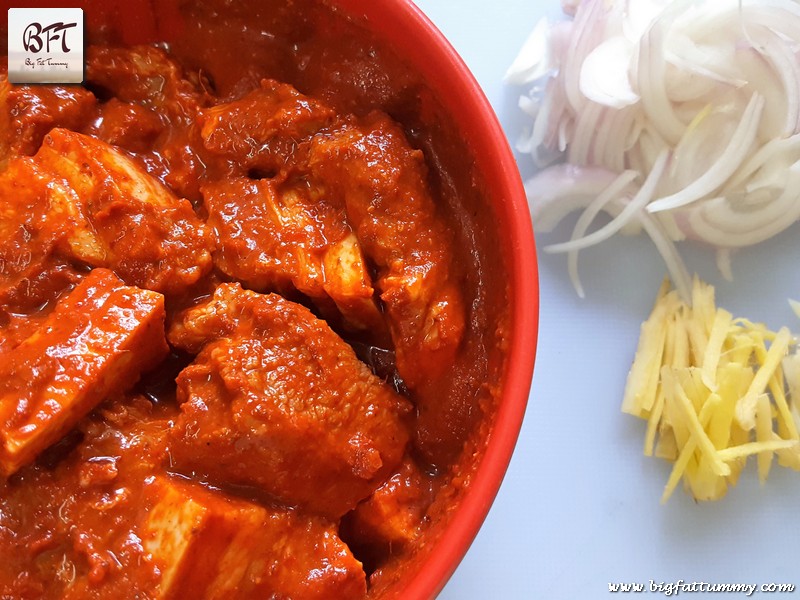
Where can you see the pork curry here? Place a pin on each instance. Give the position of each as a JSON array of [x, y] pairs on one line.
[[251, 326]]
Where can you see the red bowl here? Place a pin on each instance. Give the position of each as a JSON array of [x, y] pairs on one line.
[[406, 31]]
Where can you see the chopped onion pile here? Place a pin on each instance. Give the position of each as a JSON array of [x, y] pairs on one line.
[[680, 118]]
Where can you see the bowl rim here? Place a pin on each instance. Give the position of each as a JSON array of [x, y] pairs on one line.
[[429, 51], [432, 54]]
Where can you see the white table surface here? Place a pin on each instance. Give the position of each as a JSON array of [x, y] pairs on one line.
[[579, 507]]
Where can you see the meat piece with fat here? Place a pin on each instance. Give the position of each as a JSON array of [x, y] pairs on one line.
[[210, 546], [152, 111], [392, 517], [277, 401], [32, 226], [263, 129], [95, 343], [278, 237], [145, 75], [368, 167], [29, 112], [82, 199]]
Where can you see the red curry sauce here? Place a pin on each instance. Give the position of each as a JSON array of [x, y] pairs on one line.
[[249, 344]]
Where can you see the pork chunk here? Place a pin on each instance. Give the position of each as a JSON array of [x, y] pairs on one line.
[[147, 76], [210, 546], [34, 110], [275, 237], [95, 343], [95, 205], [276, 400], [31, 275], [391, 518], [126, 125], [368, 166], [29, 232], [263, 128], [153, 112]]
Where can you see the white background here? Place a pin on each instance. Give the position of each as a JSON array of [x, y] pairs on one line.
[[579, 507]]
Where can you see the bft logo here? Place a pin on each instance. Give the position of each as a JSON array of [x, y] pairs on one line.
[[32, 39], [45, 45]]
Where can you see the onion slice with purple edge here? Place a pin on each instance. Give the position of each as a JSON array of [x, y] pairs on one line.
[[680, 119]]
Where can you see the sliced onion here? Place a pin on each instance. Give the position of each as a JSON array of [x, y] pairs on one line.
[[610, 152], [705, 64], [590, 21], [652, 67], [726, 164], [722, 225], [601, 202], [766, 153], [587, 123], [534, 59], [557, 191], [639, 201], [700, 99], [675, 265], [604, 74], [724, 263], [784, 62]]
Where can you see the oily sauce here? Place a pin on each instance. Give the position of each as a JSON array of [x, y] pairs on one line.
[[252, 316]]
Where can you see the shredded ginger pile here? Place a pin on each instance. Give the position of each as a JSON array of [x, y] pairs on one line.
[[678, 118], [714, 390]]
